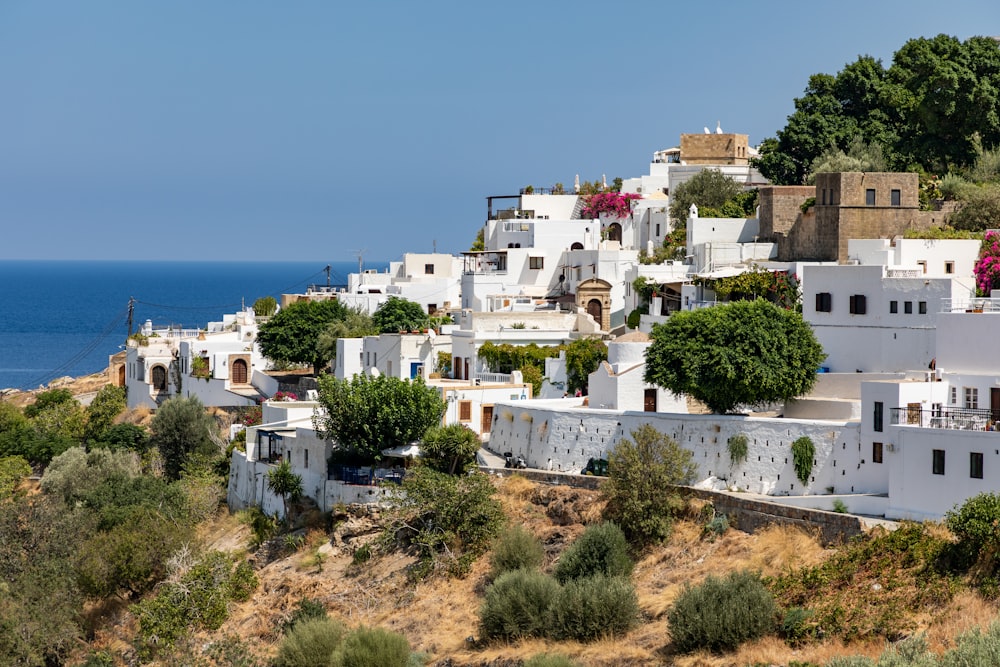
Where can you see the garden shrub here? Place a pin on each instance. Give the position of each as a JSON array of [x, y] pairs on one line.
[[721, 613], [602, 549], [309, 643], [738, 448], [516, 549], [795, 626], [549, 660], [517, 605], [594, 607], [372, 647], [803, 452], [976, 524]]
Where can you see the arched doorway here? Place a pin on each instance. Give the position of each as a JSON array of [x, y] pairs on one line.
[[239, 371], [121, 375], [615, 232], [594, 308], [159, 376]]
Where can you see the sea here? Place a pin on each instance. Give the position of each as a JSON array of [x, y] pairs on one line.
[[60, 318]]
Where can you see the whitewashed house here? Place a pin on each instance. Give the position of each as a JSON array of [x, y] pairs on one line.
[[618, 383], [431, 279], [221, 365]]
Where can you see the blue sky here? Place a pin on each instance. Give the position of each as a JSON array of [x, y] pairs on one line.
[[308, 130]]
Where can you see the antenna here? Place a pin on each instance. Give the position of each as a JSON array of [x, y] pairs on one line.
[[361, 254]]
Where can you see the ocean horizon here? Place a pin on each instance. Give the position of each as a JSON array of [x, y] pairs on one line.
[[66, 317]]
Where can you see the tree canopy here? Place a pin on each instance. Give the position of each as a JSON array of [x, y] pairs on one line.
[[450, 448], [748, 353], [180, 428], [709, 188], [292, 336], [934, 108], [368, 414], [399, 314], [583, 356]]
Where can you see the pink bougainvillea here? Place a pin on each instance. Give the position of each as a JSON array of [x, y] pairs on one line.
[[987, 269], [615, 204]]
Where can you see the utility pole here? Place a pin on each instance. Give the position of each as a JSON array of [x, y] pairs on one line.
[[131, 312]]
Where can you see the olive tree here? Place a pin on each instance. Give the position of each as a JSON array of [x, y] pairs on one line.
[[181, 427], [744, 353]]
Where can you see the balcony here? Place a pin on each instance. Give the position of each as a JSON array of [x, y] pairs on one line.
[[959, 419], [970, 305]]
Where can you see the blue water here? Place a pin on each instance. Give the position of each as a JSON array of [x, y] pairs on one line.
[[66, 317]]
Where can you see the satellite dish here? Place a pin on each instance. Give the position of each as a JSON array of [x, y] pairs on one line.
[[374, 372]]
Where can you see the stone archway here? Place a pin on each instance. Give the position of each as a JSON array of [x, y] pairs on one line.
[[594, 296], [615, 232], [159, 377]]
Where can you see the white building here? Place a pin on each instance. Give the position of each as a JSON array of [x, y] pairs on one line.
[[880, 314], [431, 279], [618, 383], [221, 365]]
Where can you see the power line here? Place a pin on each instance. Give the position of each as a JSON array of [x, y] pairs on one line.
[[83, 353]]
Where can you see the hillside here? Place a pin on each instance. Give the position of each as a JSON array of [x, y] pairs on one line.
[[439, 617]]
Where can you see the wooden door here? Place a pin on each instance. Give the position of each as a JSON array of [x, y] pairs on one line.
[[487, 419], [239, 374], [649, 400], [995, 403]]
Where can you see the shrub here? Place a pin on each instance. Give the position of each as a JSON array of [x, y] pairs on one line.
[[516, 549], [721, 613], [639, 493], [372, 647], [306, 610], [602, 549], [309, 643], [517, 605], [593, 607], [839, 506], [549, 660], [976, 524], [803, 452], [795, 626]]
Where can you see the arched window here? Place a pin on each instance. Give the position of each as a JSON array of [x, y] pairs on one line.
[[615, 232], [576, 246]]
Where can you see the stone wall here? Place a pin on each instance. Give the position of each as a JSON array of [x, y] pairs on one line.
[[717, 149], [746, 514], [780, 207]]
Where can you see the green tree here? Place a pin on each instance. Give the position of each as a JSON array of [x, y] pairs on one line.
[[292, 336], [366, 414], [583, 356], [448, 520], [125, 436], [75, 473], [450, 448], [743, 353], [976, 524], [47, 399], [397, 314], [285, 483], [107, 404], [708, 188], [859, 156], [479, 243], [356, 324], [265, 306], [181, 427], [641, 472], [13, 470], [980, 210]]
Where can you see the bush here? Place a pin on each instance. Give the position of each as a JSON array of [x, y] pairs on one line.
[[721, 613], [795, 626], [517, 605], [803, 452], [306, 610], [310, 643], [372, 647], [549, 660], [516, 549], [594, 607], [976, 524], [601, 549], [737, 445]]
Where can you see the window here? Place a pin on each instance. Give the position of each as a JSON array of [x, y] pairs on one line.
[[428, 268], [824, 302], [908, 307], [878, 416], [305, 458], [536, 262], [465, 411], [922, 307], [824, 197], [976, 465], [432, 308], [657, 229], [954, 396], [870, 197], [971, 398], [876, 452], [922, 263], [949, 267], [937, 465], [893, 306], [858, 304], [894, 197]]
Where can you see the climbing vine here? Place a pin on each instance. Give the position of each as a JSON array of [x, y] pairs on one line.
[[803, 452], [778, 287], [737, 448]]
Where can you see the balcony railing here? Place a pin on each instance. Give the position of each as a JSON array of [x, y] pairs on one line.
[[971, 305], [962, 419]]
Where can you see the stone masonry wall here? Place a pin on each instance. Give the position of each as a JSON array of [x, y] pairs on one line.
[[780, 207]]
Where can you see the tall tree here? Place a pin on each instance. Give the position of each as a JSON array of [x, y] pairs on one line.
[[285, 483], [181, 427], [368, 414], [744, 353], [583, 356], [292, 336]]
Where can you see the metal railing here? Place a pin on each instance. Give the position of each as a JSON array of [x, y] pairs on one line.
[[961, 419], [970, 305]]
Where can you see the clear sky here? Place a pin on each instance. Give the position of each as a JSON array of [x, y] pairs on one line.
[[245, 130]]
